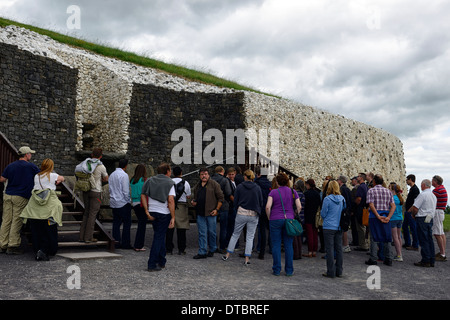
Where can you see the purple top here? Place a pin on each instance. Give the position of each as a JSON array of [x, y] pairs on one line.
[[276, 212]]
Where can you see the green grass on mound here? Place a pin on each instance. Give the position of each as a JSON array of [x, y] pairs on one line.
[[176, 70]]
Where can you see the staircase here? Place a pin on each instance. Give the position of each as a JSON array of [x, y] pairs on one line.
[[73, 208]]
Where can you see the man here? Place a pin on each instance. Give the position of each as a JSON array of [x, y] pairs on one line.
[[231, 174], [207, 200], [360, 201], [20, 176], [120, 202], [160, 209], [409, 223], [345, 192], [382, 207], [355, 185], [423, 211], [93, 198], [181, 215], [438, 220], [263, 223], [224, 183]]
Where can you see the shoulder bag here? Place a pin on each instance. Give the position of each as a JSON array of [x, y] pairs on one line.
[[293, 227]]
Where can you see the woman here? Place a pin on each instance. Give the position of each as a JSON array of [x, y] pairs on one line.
[[332, 207], [312, 205], [397, 219], [299, 186], [279, 198], [248, 203], [136, 183], [44, 212]]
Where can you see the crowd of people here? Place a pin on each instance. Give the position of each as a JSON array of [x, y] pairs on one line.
[[380, 220]]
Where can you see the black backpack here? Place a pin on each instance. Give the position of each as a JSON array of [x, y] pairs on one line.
[[179, 190], [344, 223]]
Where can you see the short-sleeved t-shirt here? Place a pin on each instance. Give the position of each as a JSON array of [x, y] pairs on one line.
[[44, 183], [20, 175], [156, 206], [276, 212]]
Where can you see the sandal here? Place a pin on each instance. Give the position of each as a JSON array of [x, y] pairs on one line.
[[142, 249], [309, 255]]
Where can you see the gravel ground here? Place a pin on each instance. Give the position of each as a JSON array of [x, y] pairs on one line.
[[212, 280]]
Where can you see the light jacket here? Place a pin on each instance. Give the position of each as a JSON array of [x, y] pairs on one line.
[[331, 211], [43, 208]]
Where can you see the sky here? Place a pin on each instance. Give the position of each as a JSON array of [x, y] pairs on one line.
[[384, 63]]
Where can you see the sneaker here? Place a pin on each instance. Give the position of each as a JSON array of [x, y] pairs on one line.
[[225, 258], [14, 250], [157, 268], [371, 262], [398, 258], [346, 249], [246, 263], [41, 256], [440, 257]]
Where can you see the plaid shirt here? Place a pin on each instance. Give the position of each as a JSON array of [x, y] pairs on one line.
[[380, 197]]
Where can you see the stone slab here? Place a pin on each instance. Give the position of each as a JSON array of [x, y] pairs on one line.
[[89, 255]]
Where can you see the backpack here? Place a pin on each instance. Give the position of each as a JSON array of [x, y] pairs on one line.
[[344, 223], [179, 190], [83, 173]]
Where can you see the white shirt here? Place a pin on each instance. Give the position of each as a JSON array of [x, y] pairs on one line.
[[46, 184], [156, 206], [187, 189], [426, 203], [119, 189]]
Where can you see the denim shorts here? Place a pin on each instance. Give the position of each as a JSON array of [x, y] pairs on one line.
[[396, 223]]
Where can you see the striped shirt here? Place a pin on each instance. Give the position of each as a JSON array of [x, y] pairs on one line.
[[441, 195]]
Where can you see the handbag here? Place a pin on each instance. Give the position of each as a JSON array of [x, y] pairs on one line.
[[293, 226], [319, 219], [365, 217]]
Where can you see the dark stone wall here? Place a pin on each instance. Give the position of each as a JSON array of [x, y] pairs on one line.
[[155, 112], [37, 103]]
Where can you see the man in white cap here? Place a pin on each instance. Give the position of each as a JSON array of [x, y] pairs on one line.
[[20, 177]]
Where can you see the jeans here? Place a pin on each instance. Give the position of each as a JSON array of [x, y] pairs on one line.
[[333, 246], [409, 224], [223, 217], [158, 250], [122, 215], [206, 234], [424, 233], [277, 234], [251, 222], [141, 226]]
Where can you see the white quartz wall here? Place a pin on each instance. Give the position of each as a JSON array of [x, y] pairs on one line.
[[314, 143]]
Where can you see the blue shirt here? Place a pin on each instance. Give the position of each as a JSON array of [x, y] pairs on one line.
[[20, 175], [398, 214], [119, 189]]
